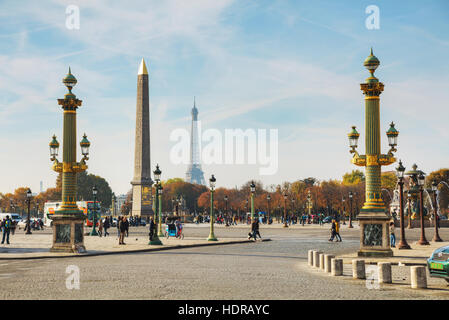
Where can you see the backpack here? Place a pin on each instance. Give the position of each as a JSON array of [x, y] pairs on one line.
[[7, 224]]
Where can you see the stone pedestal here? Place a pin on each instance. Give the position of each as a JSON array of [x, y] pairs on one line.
[[374, 235], [68, 233]]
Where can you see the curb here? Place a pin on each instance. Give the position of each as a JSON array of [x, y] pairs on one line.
[[81, 255]]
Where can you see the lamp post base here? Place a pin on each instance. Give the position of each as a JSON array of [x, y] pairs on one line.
[[155, 242], [374, 234], [68, 235], [437, 239], [423, 242], [212, 237], [403, 246]]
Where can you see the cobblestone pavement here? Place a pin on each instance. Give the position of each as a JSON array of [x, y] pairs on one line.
[[264, 270]]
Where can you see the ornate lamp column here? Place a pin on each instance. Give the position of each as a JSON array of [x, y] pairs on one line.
[[421, 179], [350, 210], [400, 173], [94, 213], [212, 181], [253, 191], [309, 202], [285, 210], [436, 236], [29, 195], [268, 207], [343, 214], [157, 178], [160, 233], [373, 220], [68, 220], [226, 214]]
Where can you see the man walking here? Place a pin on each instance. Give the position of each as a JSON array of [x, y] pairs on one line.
[[106, 226], [118, 226], [6, 229], [337, 230], [122, 229], [151, 223], [126, 222]]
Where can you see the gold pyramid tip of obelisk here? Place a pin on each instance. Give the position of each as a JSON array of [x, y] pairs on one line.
[[142, 68]]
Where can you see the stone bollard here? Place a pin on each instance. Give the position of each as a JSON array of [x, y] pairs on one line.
[[311, 258], [322, 261], [418, 276], [384, 269], [316, 259], [358, 269], [337, 267], [327, 262]]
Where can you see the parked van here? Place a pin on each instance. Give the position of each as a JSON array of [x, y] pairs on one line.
[[13, 216]]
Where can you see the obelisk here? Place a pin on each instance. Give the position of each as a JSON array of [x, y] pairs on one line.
[[142, 182]]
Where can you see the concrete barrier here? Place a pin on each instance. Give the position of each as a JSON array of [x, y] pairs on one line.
[[358, 269], [322, 261], [418, 276], [337, 267], [384, 269], [310, 258], [316, 259], [327, 262]]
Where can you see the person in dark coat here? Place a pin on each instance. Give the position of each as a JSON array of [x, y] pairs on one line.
[[106, 226], [151, 228]]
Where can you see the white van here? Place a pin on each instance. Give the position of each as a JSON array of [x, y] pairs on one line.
[[13, 216]]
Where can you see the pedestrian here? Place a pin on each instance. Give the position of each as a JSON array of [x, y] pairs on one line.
[[118, 226], [106, 225], [253, 233], [151, 228], [122, 229], [100, 228], [6, 229], [126, 222], [13, 226], [41, 224], [257, 230], [392, 235], [337, 230], [333, 230]]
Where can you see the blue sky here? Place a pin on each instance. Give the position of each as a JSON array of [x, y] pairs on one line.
[[294, 66]]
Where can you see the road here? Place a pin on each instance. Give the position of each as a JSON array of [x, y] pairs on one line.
[[274, 269]]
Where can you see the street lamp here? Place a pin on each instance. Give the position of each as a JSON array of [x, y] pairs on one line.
[[226, 210], [350, 210], [68, 220], [409, 206], [400, 173], [94, 212], [160, 234], [373, 220], [268, 208], [343, 205], [436, 237], [421, 180], [29, 195], [285, 210], [253, 191], [212, 181], [309, 202], [157, 177]]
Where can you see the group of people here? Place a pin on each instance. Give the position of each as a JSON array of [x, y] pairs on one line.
[[104, 225], [122, 229], [335, 230]]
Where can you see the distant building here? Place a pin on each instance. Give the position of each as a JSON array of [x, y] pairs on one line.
[[121, 199]]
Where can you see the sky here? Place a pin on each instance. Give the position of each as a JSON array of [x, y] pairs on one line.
[[295, 66]]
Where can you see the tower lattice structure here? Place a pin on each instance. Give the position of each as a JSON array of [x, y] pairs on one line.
[[194, 173]]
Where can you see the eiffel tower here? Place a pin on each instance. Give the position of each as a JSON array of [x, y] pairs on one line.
[[194, 173]]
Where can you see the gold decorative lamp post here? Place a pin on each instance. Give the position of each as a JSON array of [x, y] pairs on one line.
[[212, 182], [68, 220], [374, 228]]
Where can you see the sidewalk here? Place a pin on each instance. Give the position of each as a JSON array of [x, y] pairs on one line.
[[38, 245], [417, 255]]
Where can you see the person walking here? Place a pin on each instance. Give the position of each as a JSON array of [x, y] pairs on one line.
[[253, 233], [100, 228], [337, 230], [126, 222], [256, 230], [106, 225], [333, 230], [6, 229], [392, 235], [118, 226], [151, 228], [122, 229]]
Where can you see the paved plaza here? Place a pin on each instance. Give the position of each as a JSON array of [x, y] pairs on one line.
[[275, 269]]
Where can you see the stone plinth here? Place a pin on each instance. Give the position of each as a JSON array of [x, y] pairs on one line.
[[384, 269], [358, 269], [68, 233], [418, 276], [374, 235]]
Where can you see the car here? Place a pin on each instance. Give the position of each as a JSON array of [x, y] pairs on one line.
[[327, 219], [22, 223], [438, 263]]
